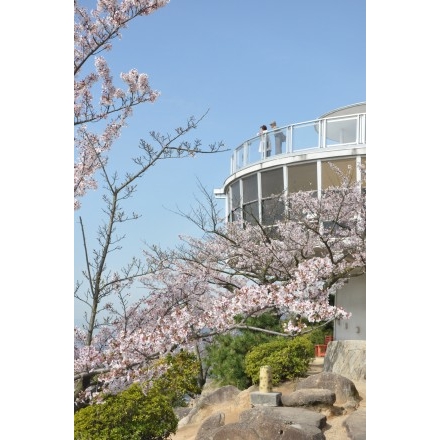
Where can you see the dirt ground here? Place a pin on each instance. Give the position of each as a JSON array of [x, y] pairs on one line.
[[233, 409]]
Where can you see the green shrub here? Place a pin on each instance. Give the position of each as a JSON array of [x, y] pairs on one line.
[[130, 415], [180, 379], [317, 336], [288, 358], [226, 360], [133, 415], [226, 354]]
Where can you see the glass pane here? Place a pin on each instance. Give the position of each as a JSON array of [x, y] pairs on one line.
[[235, 215], [341, 131], [240, 157], [272, 182], [305, 136], [302, 177], [250, 212], [330, 178], [279, 141], [250, 189], [272, 210], [235, 195]]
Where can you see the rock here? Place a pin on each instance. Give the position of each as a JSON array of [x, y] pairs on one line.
[[309, 397], [344, 389], [181, 411], [284, 423], [356, 425], [220, 395], [291, 416], [302, 416], [235, 431], [210, 425], [265, 423], [273, 429], [347, 358], [265, 428], [265, 399]]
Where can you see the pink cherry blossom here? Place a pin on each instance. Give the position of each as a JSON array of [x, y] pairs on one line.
[[237, 269]]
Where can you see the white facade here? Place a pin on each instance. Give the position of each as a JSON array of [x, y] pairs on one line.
[[352, 297]]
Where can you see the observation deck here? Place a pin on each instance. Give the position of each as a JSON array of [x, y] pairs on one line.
[[292, 158]]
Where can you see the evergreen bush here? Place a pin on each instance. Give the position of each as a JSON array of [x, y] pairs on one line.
[[135, 415], [180, 379], [129, 415], [226, 354], [288, 358]]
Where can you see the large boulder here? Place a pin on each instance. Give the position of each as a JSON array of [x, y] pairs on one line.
[[290, 416], [264, 423], [265, 428], [347, 358], [210, 425], [345, 390], [309, 397], [356, 425], [221, 395], [235, 431]]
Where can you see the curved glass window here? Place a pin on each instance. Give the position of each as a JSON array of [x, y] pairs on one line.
[[272, 183], [234, 202], [272, 210], [235, 215], [235, 195], [250, 212], [272, 188], [250, 189], [330, 178], [302, 177], [250, 199]]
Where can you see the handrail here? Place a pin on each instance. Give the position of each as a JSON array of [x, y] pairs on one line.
[[290, 139]]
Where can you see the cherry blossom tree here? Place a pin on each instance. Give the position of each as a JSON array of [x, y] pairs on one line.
[[101, 110], [107, 112], [94, 32], [101, 283], [236, 269]]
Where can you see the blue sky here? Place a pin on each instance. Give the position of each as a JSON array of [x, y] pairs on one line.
[[248, 63]]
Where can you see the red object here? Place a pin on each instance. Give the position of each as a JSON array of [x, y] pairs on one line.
[[320, 350], [328, 339]]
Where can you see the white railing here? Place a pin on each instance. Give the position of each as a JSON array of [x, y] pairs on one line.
[[319, 133]]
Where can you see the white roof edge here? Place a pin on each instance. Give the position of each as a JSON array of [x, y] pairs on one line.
[[340, 109]]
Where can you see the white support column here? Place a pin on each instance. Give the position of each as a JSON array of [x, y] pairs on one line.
[[227, 204], [260, 201], [285, 187], [318, 177], [322, 124], [241, 199], [358, 171]]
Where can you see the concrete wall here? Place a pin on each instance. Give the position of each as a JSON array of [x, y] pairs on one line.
[[352, 298]]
